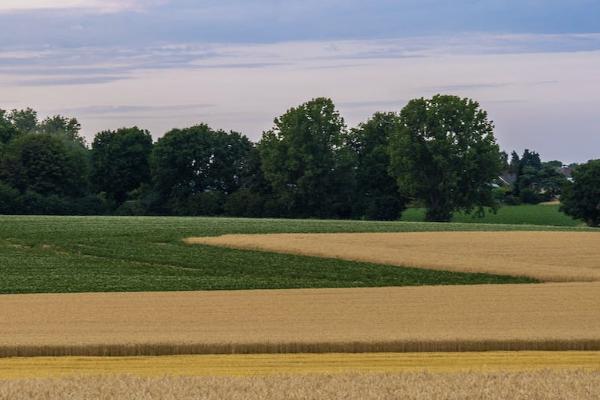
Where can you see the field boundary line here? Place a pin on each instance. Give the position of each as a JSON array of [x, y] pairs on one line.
[[401, 346]]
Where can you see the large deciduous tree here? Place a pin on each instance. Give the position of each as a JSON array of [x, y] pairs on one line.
[[44, 164], [377, 194], [446, 155], [120, 161], [195, 168], [581, 198], [306, 160]]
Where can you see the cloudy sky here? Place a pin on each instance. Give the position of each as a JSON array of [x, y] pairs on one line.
[[236, 64]]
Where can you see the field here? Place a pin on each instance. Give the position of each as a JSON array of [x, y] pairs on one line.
[[294, 364], [547, 256], [111, 307], [548, 385], [112, 254], [562, 316], [540, 214]]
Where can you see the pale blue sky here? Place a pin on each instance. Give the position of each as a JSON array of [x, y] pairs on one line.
[[237, 64]]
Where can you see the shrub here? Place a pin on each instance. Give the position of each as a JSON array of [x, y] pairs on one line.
[[10, 201], [581, 199], [384, 208], [37, 204], [206, 203], [90, 205], [528, 196], [244, 203]]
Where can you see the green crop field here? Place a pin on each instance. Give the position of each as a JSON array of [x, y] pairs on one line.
[[540, 214], [110, 254]]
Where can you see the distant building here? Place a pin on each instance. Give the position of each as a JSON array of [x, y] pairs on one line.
[[507, 179], [567, 172]]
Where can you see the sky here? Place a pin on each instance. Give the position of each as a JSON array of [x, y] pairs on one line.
[[534, 65]]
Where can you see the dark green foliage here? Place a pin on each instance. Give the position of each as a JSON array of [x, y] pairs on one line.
[[188, 163], [504, 160], [550, 180], [527, 171], [440, 153], [245, 203], [7, 129], [63, 126], [377, 194], [25, 121], [530, 159], [446, 156], [306, 160], [32, 203], [10, 200], [108, 254], [556, 164], [45, 164], [255, 197], [537, 181], [515, 162], [530, 196], [209, 203], [581, 199], [120, 162]]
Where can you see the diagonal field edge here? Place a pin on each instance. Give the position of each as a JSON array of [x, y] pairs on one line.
[[545, 256]]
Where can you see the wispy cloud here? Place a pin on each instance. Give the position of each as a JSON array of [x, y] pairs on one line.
[[76, 23], [382, 105], [70, 81], [488, 85], [103, 6], [528, 83], [98, 110], [96, 65]]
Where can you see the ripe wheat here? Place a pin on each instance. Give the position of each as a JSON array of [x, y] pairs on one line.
[[293, 364], [562, 316], [547, 385], [548, 256]]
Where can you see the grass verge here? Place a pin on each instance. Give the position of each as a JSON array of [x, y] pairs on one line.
[[539, 214]]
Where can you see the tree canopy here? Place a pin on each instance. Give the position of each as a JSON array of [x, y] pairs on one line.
[[581, 198], [44, 164], [194, 168], [378, 195], [25, 121], [535, 181], [7, 130], [439, 153], [121, 161], [446, 155], [306, 160]]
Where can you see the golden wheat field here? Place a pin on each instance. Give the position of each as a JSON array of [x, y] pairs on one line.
[[292, 364], [546, 385], [548, 256], [561, 316]]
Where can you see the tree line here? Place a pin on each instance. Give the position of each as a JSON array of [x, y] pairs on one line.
[[439, 153]]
